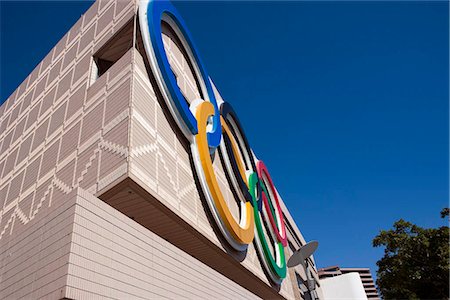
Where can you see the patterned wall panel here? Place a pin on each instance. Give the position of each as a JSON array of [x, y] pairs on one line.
[[57, 121], [58, 131]]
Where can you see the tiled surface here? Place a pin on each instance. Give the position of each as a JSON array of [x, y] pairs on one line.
[[35, 263], [59, 132], [85, 249], [115, 257], [66, 134]]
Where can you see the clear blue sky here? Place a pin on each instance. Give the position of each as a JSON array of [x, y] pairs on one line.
[[346, 102]]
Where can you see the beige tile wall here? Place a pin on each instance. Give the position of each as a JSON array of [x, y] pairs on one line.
[[35, 263], [59, 131], [85, 249], [115, 257]]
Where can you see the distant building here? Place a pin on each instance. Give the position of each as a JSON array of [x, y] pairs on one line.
[[364, 274], [347, 286]]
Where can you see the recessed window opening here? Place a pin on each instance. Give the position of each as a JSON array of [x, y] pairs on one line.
[[112, 51]]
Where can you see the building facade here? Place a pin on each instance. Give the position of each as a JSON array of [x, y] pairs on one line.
[[364, 274], [346, 286], [125, 175]]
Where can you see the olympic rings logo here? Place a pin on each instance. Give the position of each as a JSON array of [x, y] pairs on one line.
[[212, 127]]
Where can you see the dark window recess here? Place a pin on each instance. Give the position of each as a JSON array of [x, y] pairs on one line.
[[103, 65], [114, 49]]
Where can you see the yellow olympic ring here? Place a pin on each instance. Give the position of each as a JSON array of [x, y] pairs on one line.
[[242, 232]]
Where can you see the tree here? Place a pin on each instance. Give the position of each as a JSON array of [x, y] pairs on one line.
[[415, 264], [445, 212]]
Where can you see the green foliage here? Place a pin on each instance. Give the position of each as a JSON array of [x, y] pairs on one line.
[[445, 212], [415, 264]]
